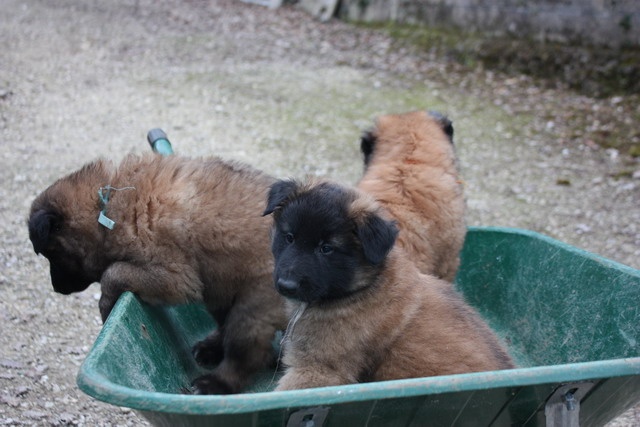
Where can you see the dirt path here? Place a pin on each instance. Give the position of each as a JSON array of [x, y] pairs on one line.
[[83, 79]]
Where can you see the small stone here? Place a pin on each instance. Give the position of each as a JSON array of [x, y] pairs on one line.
[[582, 228], [34, 414], [21, 391], [66, 417]]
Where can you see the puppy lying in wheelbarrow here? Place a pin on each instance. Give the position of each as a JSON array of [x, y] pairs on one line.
[[360, 309], [172, 230]]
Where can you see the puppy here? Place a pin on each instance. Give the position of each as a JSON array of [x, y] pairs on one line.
[[410, 169], [360, 310], [186, 230]]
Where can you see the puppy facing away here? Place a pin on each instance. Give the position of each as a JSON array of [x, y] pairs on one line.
[[172, 230], [360, 310], [411, 170]]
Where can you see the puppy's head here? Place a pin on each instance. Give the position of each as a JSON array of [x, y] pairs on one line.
[[63, 227], [328, 241], [391, 130]]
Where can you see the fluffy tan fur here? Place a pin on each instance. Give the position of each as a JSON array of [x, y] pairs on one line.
[[186, 230], [395, 328], [413, 173]]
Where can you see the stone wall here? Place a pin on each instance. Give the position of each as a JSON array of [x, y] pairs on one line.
[[600, 22]]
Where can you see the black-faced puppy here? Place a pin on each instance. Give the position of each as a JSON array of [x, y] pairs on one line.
[[411, 170], [360, 310], [172, 230]]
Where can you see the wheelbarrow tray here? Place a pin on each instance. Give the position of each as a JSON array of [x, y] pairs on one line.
[[571, 319]]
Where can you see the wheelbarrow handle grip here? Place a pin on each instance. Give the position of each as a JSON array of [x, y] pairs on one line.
[[159, 142]]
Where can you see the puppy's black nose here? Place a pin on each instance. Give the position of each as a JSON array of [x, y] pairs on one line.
[[287, 287]]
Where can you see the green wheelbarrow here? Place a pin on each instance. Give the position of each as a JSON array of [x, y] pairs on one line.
[[571, 319]]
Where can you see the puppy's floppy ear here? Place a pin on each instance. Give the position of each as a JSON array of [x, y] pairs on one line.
[[377, 237], [278, 193], [41, 224], [367, 145], [444, 122]]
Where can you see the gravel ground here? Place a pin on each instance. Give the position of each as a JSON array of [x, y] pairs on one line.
[[81, 79]]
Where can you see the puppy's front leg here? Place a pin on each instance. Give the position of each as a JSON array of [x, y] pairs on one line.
[[108, 299], [155, 284], [113, 283], [313, 376]]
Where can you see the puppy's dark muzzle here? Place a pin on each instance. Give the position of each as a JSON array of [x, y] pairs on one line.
[[65, 283], [287, 288], [61, 290]]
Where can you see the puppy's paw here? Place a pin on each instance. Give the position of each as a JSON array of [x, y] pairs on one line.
[[209, 351], [211, 384]]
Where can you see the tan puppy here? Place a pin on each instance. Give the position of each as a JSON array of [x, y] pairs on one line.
[[360, 310], [411, 170], [186, 230]]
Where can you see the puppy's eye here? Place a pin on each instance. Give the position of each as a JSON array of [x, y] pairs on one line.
[[326, 249], [289, 238]]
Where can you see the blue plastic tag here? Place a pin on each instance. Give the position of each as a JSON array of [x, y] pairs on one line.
[[107, 222]]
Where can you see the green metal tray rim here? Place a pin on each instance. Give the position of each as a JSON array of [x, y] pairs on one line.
[[101, 388], [93, 383]]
